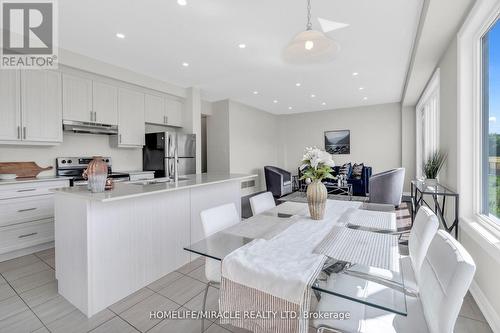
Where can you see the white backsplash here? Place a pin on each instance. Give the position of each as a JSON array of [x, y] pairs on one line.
[[74, 145]]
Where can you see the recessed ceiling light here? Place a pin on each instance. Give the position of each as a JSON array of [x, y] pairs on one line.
[[355, 74], [275, 101], [361, 88], [298, 84], [365, 98], [256, 92], [312, 95], [324, 103], [242, 45], [289, 108], [182, 2], [185, 64], [120, 35]]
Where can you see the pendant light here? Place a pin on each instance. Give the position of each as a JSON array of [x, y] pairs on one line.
[[310, 46]]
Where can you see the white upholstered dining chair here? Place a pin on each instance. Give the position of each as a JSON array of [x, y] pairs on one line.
[[445, 276], [214, 220], [262, 202], [422, 232]]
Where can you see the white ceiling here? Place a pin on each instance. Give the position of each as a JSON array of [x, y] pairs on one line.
[[161, 35]]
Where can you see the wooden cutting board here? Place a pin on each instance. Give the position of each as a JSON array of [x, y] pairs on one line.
[[22, 169]]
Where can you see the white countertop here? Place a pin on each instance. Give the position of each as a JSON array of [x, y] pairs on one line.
[[32, 180], [130, 190]]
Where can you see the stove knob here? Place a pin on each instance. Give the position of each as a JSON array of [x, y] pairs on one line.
[[107, 160], [70, 161], [63, 161]]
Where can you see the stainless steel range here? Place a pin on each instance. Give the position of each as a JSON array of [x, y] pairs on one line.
[[74, 167]]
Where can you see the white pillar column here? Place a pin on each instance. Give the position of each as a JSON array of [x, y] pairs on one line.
[[192, 120]]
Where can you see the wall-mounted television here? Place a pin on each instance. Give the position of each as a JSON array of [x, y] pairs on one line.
[[338, 142]]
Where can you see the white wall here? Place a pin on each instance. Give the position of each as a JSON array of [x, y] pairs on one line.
[[218, 138], [375, 135], [408, 144], [448, 114], [241, 139], [478, 240], [74, 145], [253, 138]]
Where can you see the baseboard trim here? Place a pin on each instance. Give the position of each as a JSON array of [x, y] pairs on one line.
[[492, 317], [26, 251]]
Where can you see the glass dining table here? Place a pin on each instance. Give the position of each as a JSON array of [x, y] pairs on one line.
[[372, 286]]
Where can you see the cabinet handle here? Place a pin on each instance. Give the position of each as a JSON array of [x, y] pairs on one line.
[[24, 132], [26, 210], [95, 116], [27, 190], [27, 235], [120, 138], [166, 119], [18, 132]]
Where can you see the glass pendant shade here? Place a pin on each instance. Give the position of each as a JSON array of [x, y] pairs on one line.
[[311, 46]]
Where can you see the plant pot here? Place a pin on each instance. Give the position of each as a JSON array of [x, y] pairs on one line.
[[430, 181], [316, 199]]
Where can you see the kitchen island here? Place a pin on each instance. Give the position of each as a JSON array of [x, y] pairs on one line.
[[109, 245]]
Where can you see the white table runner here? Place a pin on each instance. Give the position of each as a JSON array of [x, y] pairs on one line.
[[276, 274]]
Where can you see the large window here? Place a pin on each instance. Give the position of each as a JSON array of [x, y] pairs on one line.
[[428, 123], [491, 121]]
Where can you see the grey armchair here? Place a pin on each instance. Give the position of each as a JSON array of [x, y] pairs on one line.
[[387, 187], [278, 181]]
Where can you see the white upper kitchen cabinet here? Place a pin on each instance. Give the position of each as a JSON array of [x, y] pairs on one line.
[[131, 124], [174, 112], [77, 98], [10, 108], [41, 106], [155, 109], [105, 103]]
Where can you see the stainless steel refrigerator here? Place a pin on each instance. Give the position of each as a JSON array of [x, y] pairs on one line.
[[159, 150]]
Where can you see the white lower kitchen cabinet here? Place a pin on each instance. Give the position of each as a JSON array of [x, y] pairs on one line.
[[27, 216]]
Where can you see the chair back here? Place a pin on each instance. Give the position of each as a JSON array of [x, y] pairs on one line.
[[214, 220], [262, 202], [218, 218], [387, 187], [422, 233], [446, 275]]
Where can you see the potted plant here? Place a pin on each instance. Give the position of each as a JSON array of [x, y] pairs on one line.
[[316, 165], [433, 165]]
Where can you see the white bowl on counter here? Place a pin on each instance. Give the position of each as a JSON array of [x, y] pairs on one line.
[[7, 176]]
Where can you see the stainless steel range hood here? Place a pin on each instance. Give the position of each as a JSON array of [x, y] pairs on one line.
[[90, 128]]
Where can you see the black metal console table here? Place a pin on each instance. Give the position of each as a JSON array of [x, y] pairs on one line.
[[420, 188]]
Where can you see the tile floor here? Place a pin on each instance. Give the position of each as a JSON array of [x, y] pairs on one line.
[[29, 302]]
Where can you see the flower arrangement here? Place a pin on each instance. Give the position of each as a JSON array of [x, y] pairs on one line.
[[316, 164]]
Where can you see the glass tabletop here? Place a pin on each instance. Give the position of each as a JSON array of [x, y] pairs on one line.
[[432, 188], [372, 286]]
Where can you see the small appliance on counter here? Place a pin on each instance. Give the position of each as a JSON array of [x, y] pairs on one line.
[[158, 154], [74, 167]]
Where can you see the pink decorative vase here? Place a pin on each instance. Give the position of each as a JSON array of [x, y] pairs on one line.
[[316, 199], [96, 173]]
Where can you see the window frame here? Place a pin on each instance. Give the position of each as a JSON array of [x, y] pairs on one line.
[[481, 205]]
